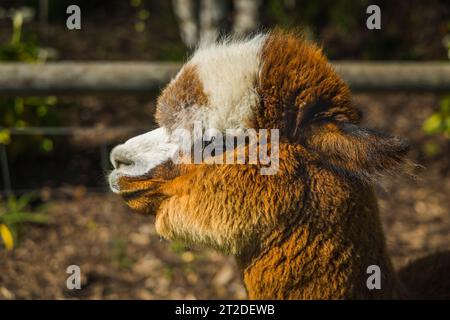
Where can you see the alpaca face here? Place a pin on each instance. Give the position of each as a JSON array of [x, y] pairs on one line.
[[216, 89], [273, 82]]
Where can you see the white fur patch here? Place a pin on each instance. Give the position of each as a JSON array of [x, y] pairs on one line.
[[228, 72], [139, 155]]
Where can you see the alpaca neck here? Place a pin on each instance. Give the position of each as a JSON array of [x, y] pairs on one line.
[[328, 261]]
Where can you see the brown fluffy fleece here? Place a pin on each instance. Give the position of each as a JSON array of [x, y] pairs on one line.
[[311, 230]]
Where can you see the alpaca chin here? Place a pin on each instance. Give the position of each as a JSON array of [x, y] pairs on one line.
[[173, 223]]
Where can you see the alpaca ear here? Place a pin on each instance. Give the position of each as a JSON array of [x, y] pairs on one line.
[[353, 150]]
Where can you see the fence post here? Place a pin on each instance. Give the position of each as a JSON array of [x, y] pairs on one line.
[[5, 170], [104, 159]]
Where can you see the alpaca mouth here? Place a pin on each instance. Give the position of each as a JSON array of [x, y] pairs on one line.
[[122, 182], [143, 193]]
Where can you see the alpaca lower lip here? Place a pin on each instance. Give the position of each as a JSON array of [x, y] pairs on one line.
[[147, 193], [131, 194], [123, 184], [113, 180]]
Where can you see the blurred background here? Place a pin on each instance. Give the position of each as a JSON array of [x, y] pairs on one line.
[[55, 208]]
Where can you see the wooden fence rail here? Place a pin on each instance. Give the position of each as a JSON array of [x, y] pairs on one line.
[[142, 77]]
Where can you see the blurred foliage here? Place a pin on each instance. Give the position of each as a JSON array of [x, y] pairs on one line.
[[171, 52], [119, 253], [15, 214], [141, 14], [439, 122], [178, 247], [16, 49], [20, 112], [341, 24], [344, 14], [166, 50], [168, 272]]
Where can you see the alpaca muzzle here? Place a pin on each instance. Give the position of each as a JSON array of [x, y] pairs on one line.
[[140, 158]]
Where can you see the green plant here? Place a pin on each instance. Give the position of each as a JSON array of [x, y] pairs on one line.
[[438, 124], [177, 247], [439, 121], [20, 112], [15, 214], [276, 11], [142, 15], [119, 253]]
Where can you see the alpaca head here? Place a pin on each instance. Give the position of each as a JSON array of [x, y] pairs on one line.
[[275, 81]]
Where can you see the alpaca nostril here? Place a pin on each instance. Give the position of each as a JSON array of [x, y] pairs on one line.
[[120, 158], [120, 163]]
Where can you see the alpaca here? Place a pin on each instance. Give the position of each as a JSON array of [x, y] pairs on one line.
[[307, 232]]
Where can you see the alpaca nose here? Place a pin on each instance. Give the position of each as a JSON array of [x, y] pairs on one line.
[[121, 157]]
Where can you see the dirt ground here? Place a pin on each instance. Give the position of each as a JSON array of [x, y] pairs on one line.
[[122, 257], [119, 254]]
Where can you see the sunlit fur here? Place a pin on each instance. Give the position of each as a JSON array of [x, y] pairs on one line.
[[311, 230]]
